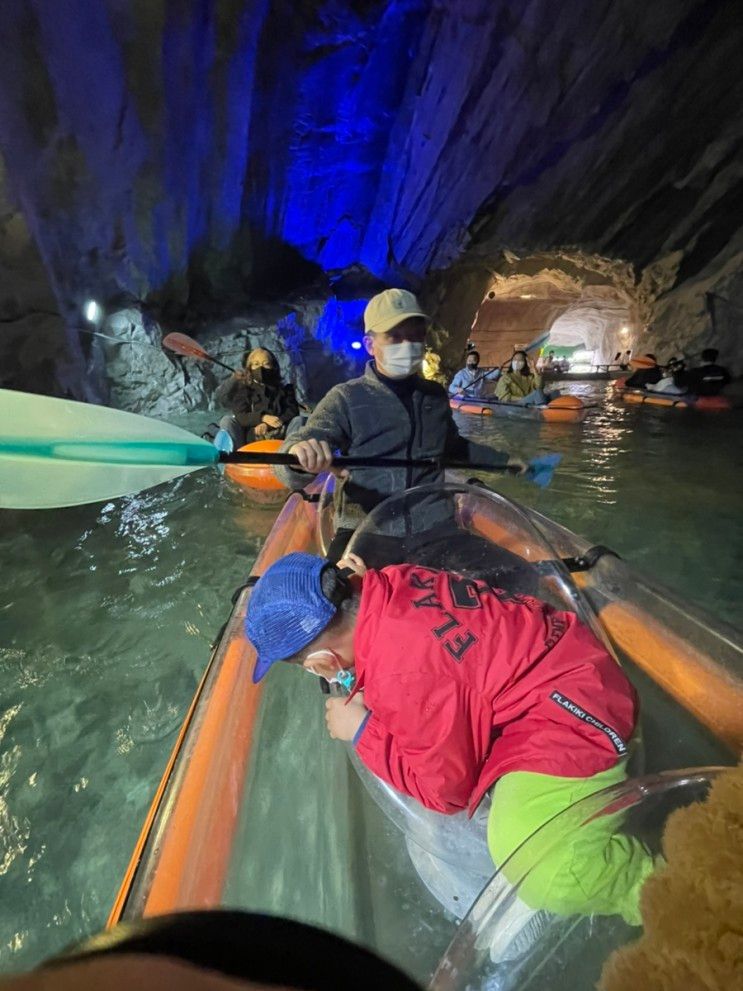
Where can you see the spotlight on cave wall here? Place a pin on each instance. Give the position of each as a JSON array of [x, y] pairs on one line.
[[93, 312], [341, 324]]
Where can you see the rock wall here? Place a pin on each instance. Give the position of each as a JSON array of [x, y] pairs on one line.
[[187, 158], [143, 377], [37, 354]]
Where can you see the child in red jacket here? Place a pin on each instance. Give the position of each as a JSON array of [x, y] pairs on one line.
[[456, 687]]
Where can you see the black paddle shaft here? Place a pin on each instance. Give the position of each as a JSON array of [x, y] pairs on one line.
[[220, 363], [439, 464]]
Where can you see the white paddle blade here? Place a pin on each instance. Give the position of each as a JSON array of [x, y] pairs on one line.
[[54, 452]]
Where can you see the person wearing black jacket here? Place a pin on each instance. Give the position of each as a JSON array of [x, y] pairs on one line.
[[262, 405], [388, 412], [709, 379]]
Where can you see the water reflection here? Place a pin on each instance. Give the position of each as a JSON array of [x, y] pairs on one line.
[[660, 486]]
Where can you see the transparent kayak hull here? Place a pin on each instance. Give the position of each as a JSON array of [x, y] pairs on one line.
[[501, 946], [258, 809]]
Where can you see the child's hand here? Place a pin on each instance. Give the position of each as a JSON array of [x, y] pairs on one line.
[[355, 563], [343, 718]]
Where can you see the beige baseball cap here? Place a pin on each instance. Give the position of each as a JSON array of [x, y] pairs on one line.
[[389, 308]]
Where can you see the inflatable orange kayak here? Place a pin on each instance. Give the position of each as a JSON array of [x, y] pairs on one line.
[[564, 409], [256, 806], [259, 482], [705, 404]]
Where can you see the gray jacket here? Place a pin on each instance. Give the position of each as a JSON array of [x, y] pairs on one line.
[[364, 418]]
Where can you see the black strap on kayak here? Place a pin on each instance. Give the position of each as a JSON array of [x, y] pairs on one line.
[[307, 496], [584, 562], [250, 583]]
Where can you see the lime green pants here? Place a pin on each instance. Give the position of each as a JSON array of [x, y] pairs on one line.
[[572, 867]]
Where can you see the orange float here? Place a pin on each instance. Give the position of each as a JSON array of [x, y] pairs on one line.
[[705, 404], [713, 404], [643, 363], [259, 481], [564, 409]]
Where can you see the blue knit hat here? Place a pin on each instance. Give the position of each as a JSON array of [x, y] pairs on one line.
[[288, 608]]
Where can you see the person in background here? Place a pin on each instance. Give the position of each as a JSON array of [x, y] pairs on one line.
[[390, 411], [262, 405], [520, 385], [457, 688], [545, 362], [710, 378], [432, 367], [674, 378], [470, 382], [646, 372]]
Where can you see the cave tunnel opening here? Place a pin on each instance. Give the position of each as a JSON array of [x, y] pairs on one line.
[[587, 317]]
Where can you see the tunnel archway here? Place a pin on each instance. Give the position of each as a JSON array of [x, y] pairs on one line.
[[595, 315]]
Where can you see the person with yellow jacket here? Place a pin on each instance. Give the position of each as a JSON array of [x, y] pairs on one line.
[[520, 385]]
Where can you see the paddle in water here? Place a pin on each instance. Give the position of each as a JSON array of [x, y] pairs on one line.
[[55, 452]]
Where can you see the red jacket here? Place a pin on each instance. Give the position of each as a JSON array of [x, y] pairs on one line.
[[466, 684]]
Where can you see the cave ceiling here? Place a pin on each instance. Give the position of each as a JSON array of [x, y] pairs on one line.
[[202, 150]]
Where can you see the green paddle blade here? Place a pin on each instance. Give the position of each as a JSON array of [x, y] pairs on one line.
[[54, 452]]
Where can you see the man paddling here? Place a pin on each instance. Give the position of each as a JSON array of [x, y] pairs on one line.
[[469, 382], [458, 688], [390, 411]]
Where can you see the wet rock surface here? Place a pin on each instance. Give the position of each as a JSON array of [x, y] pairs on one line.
[[144, 377]]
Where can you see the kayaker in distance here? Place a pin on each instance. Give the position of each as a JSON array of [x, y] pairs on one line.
[[646, 371], [390, 411], [457, 687], [675, 378], [262, 405], [710, 378], [470, 382], [520, 385], [545, 363]]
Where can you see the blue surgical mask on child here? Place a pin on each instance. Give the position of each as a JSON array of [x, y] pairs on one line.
[[343, 676]]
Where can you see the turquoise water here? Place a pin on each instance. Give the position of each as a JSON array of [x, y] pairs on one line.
[[663, 487], [107, 613]]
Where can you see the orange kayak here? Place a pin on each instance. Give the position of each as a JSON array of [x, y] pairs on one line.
[[564, 409], [259, 482], [705, 404]]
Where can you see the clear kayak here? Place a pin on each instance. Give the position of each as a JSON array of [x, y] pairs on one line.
[[258, 809], [564, 409]]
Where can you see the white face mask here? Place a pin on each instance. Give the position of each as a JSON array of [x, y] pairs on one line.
[[517, 365], [401, 360]]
